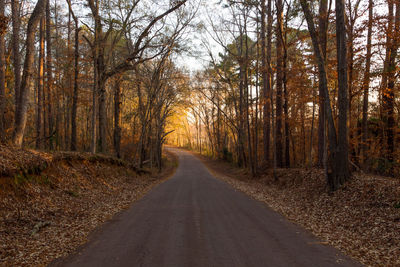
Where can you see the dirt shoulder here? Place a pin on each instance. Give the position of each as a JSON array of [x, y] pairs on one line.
[[49, 211], [362, 219]]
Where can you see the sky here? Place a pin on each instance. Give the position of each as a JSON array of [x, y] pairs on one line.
[[199, 59]]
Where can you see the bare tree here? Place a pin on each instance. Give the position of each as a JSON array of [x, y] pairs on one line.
[[76, 75], [128, 63], [21, 109]]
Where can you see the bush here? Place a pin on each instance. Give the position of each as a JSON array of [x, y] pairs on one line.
[[227, 155], [383, 166]]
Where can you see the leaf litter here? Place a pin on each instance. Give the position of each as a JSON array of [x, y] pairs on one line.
[[49, 211]]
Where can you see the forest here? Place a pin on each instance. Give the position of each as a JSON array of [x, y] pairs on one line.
[[282, 90], [266, 88], [299, 84]]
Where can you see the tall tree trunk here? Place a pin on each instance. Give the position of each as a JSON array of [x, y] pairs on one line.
[[388, 93], [341, 173], [67, 94], [117, 115], [241, 133], [57, 78], [49, 75], [2, 77], [93, 145], [101, 87], [351, 22], [279, 85], [310, 154], [286, 102], [366, 83], [322, 33], [76, 87], [40, 87], [269, 108], [102, 113], [76, 90], [247, 100], [281, 34], [94, 5], [16, 24], [330, 171], [21, 111], [385, 74], [265, 84], [257, 83], [350, 71]]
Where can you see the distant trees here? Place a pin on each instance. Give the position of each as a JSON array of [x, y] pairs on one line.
[[313, 87]]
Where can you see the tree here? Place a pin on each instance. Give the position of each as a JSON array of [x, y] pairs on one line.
[[40, 87], [279, 84], [266, 78], [76, 75], [351, 19], [388, 82], [322, 32], [341, 172], [22, 105], [2, 73], [49, 75], [117, 115], [134, 57], [366, 83], [337, 159], [16, 24]]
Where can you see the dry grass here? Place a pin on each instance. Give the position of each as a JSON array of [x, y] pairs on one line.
[[49, 212], [362, 219]]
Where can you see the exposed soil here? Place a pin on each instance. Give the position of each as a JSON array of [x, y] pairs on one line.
[[49, 203], [362, 219]]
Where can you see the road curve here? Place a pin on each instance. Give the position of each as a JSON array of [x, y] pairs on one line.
[[193, 219]]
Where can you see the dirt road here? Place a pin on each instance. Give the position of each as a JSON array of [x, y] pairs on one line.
[[194, 219]]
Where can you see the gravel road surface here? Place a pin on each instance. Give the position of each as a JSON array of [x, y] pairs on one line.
[[193, 219]]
